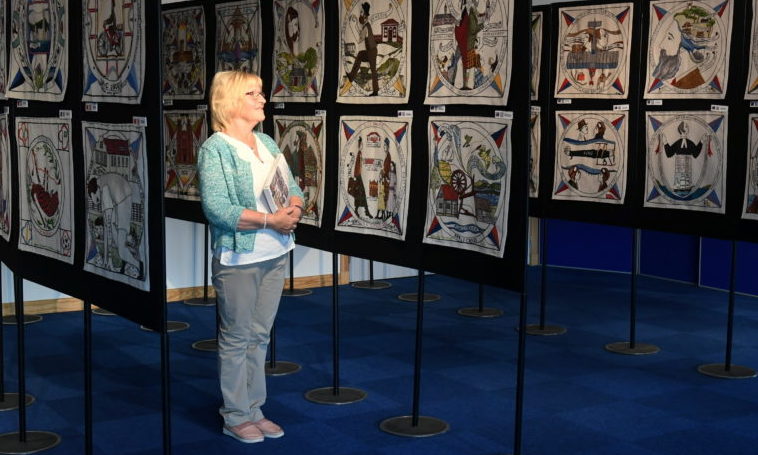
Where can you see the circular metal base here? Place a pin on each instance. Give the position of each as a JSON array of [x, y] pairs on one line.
[[403, 426], [474, 312], [413, 297], [624, 347], [372, 285], [281, 368], [296, 292], [326, 395], [718, 370], [102, 312], [28, 319], [199, 301], [546, 330], [206, 345], [35, 442], [10, 401], [171, 326]]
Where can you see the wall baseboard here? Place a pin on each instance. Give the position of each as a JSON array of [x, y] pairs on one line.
[[173, 295]]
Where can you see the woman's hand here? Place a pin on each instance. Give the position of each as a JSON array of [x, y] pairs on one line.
[[284, 221]]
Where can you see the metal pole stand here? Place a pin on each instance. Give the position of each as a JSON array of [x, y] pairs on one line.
[[726, 370], [277, 367], [414, 297], [282, 368], [24, 441], [203, 301], [102, 312], [371, 283], [631, 347], [335, 394], [480, 311], [414, 425], [27, 318], [88, 436], [292, 292], [171, 326], [518, 426], [8, 401], [542, 328], [209, 345]]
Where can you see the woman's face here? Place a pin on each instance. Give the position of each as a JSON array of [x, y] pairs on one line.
[[251, 108]]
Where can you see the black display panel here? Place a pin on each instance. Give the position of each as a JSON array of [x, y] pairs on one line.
[[409, 252], [143, 307], [508, 271], [747, 229], [633, 213], [583, 210], [541, 104], [696, 222], [7, 251], [189, 210], [184, 209]]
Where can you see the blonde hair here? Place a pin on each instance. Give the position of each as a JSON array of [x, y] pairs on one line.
[[226, 95]]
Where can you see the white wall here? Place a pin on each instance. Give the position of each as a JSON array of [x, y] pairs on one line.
[[184, 264], [184, 259]]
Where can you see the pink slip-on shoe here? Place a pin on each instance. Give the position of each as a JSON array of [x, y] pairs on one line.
[[269, 428], [245, 432]]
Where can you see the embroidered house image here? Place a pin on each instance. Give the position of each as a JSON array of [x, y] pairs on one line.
[[389, 32], [113, 155], [447, 201]]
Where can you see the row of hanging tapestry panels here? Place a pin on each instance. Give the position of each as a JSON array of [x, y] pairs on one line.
[[77, 186], [589, 167], [592, 61], [631, 106], [398, 174], [373, 192], [471, 164]]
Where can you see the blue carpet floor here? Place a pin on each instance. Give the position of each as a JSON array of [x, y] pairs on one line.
[[580, 399]]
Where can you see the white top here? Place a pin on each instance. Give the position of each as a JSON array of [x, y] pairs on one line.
[[269, 244]]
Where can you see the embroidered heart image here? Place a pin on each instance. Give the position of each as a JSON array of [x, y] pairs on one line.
[[47, 201]]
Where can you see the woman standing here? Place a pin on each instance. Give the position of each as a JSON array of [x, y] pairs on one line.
[[250, 246]]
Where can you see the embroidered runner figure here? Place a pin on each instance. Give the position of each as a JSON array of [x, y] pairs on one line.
[[369, 53]]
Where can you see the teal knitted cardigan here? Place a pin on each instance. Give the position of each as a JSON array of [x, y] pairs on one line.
[[226, 189]]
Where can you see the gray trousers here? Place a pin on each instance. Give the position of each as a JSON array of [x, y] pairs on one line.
[[248, 298]]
